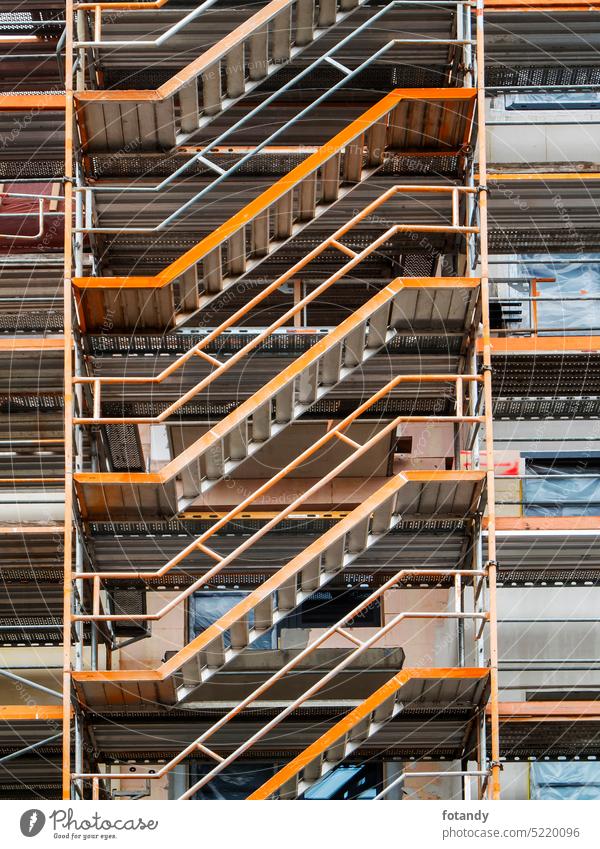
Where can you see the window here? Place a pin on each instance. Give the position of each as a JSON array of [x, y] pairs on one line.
[[561, 486], [351, 781], [206, 607], [236, 782], [552, 101], [324, 608], [348, 781], [547, 295], [327, 607], [568, 293]]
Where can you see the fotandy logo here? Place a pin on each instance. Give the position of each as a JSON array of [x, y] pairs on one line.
[[32, 822]]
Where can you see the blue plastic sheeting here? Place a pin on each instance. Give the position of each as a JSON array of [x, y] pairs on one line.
[[352, 781], [551, 495], [565, 780], [578, 277]]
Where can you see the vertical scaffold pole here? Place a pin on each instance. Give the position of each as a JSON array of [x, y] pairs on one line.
[[68, 405], [494, 785]]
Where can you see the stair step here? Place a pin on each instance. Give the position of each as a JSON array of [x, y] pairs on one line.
[[310, 575], [354, 348], [284, 403], [211, 87], [189, 106], [382, 517], [239, 632], [331, 365], [261, 423], [214, 461], [378, 327], [214, 653], [385, 710], [258, 51], [337, 752], [263, 613], [313, 770], [287, 595], [358, 536], [238, 442], [333, 557], [235, 70], [289, 790], [360, 732]]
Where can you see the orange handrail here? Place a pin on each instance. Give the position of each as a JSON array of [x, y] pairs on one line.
[[219, 368], [247, 407], [351, 720], [276, 191], [196, 67]]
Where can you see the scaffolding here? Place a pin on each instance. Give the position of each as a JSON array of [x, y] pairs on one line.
[[168, 446], [282, 211]]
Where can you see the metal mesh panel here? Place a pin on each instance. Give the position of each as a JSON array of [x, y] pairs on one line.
[[549, 75], [28, 575], [261, 165], [124, 447], [38, 320], [278, 343], [548, 577], [161, 165], [35, 167], [326, 408], [24, 633], [548, 241], [552, 375], [550, 740], [540, 408], [399, 164], [27, 23], [127, 601], [25, 403]]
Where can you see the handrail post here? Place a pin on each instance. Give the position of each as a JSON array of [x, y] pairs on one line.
[[68, 405]]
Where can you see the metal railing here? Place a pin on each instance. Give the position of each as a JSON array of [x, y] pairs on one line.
[[334, 433], [199, 744], [42, 213], [99, 8], [455, 193]]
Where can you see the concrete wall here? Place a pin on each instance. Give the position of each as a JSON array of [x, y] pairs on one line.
[[541, 136]]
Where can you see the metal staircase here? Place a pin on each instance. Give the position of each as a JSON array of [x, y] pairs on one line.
[[256, 421], [466, 686], [160, 119], [409, 494], [405, 119], [463, 686], [454, 303]]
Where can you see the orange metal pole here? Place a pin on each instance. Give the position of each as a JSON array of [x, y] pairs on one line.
[[545, 344], [35, 102], [68, 404], [534, 306], [494, 785], [124, 7]]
